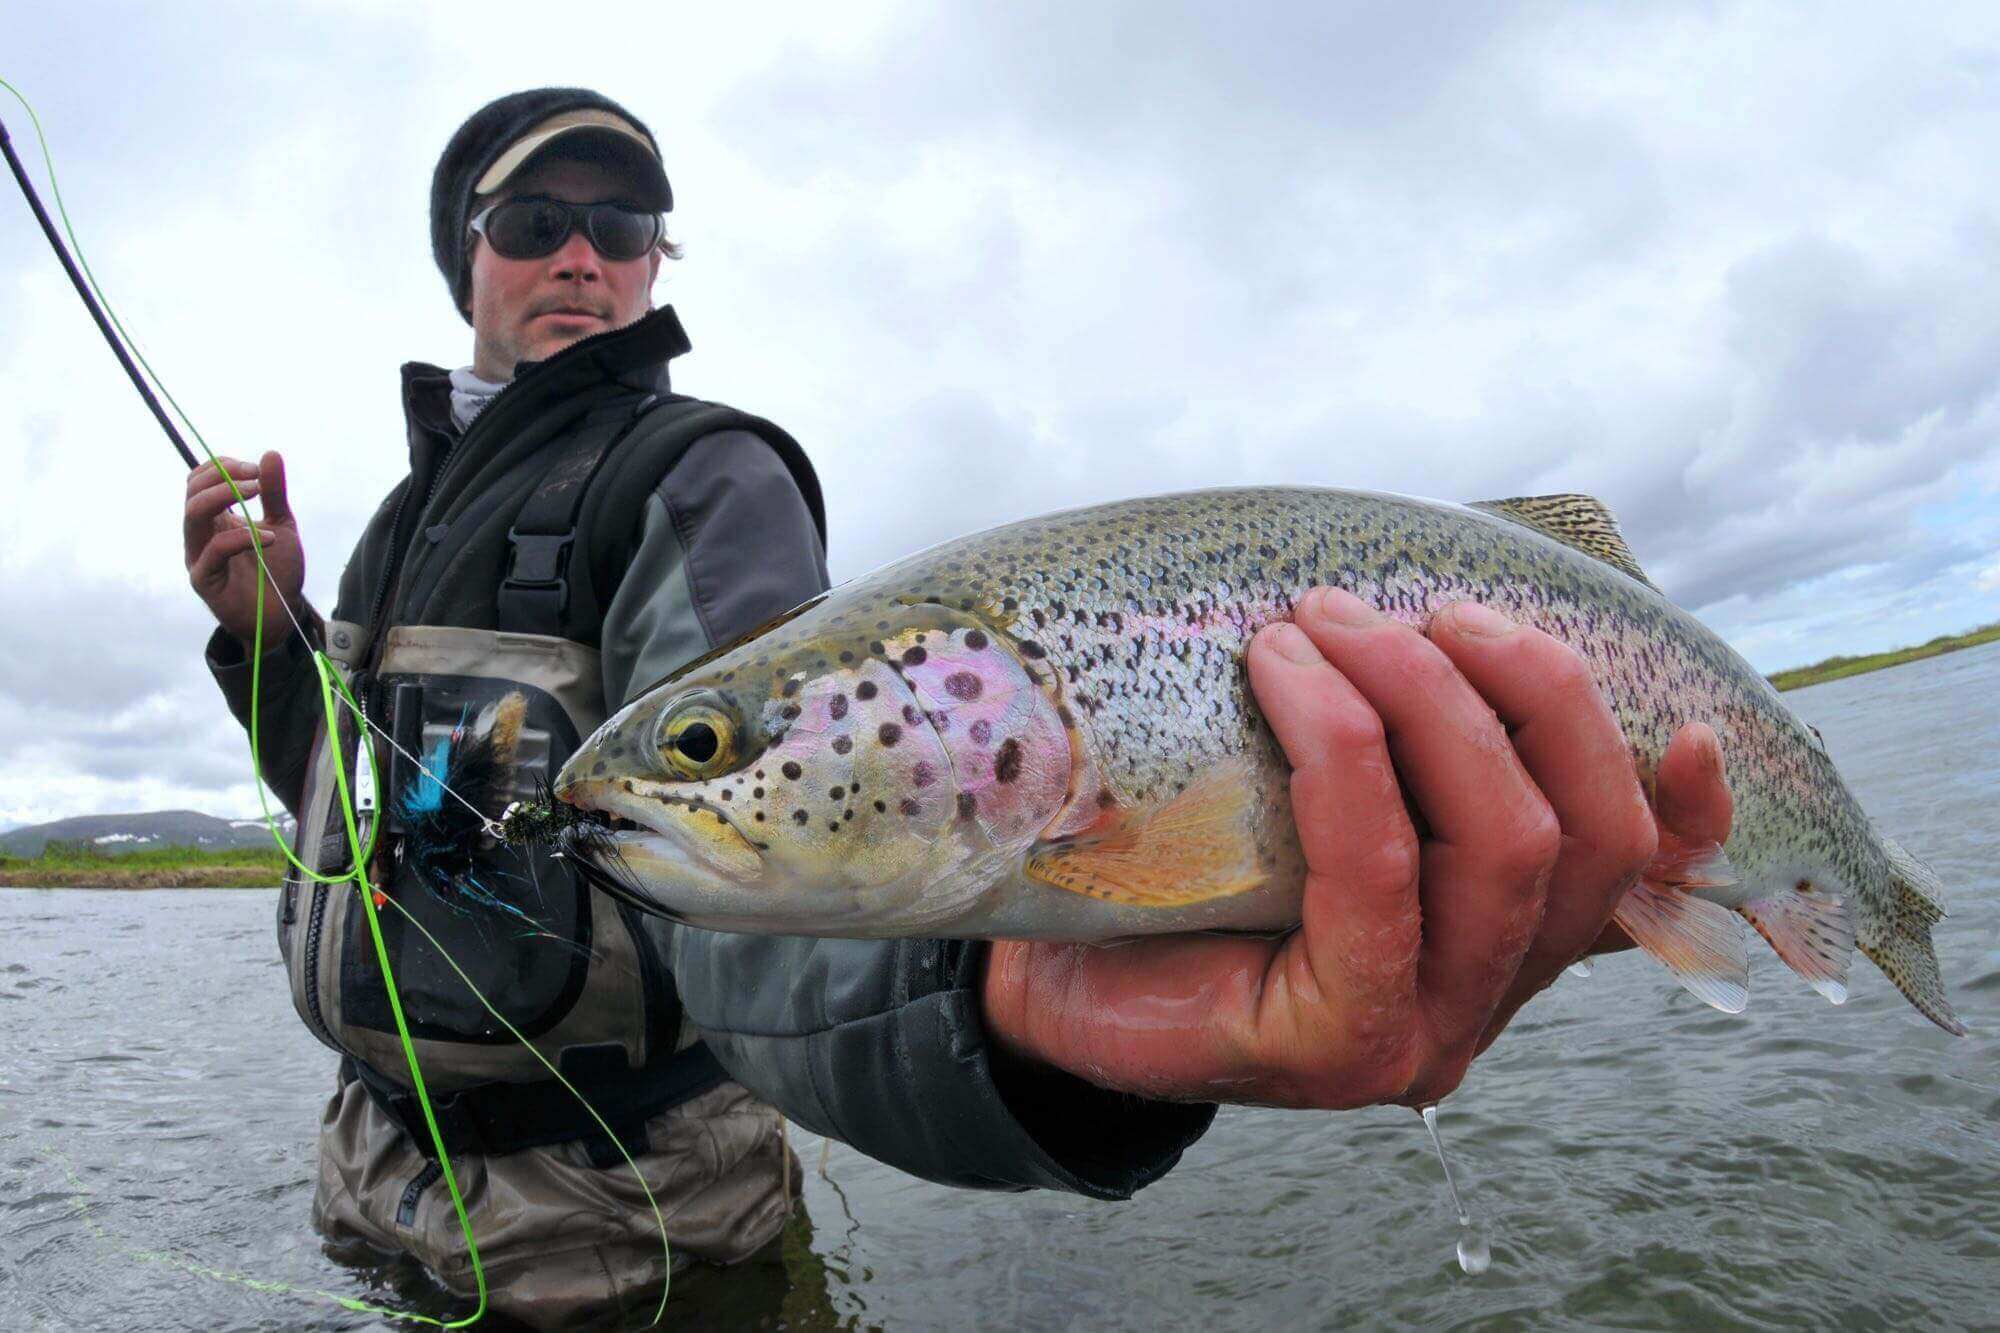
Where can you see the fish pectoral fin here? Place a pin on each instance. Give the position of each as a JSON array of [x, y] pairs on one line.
[[1811, 932], [1582, 522], [1698, 941], [1197, 846]]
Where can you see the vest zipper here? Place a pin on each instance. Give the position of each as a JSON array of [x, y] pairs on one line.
[[319, 1026]]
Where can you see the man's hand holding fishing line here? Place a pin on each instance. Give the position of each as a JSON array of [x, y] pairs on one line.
[[1428, 920], [216, 544]]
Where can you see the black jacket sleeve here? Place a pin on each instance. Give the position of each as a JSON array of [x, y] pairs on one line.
[[879, 1043], [289, 709]]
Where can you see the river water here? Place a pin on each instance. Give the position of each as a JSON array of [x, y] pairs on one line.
[[1636, 1159]]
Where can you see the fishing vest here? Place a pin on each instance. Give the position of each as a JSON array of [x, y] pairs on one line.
[[487, 572]]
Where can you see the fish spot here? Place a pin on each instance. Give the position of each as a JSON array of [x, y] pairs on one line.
[[889, 733], [846, 656], [789, 712], [837, 793], [791, 770], [962, 685], [909, 807], [838, 707], [911, 716], [833, 826], [1029, 648], [791, 687], [597, 769], [759, 816], [981, 731], [966, 805], [880, 808], [1007, 764], [726, 793], [800, 816], [842, 744], [975, 640], [758, 792], [915, 657], [865, 690], [1105, 798], [922, 775]]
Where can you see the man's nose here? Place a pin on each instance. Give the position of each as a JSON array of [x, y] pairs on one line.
[[577, 260]]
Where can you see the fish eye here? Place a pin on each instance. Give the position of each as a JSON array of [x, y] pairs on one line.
[[697, 739]]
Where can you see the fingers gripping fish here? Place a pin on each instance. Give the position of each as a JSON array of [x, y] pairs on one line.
[[1046, 731]]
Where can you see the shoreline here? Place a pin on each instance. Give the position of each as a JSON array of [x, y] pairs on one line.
[[1839, 668], [156, 877]]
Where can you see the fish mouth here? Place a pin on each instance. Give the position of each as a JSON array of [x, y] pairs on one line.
[[662, 852]]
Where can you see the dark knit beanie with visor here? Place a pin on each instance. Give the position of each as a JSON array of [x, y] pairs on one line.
[[510, 132]]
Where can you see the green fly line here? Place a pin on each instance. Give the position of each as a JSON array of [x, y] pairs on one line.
[[335, 695]]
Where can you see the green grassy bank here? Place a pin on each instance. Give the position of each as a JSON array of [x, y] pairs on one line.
[[1833, 668], [85, 866]]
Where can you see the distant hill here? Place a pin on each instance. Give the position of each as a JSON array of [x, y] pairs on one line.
[[152, 828]]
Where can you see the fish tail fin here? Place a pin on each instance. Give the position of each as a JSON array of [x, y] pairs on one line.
[[1898, 937]]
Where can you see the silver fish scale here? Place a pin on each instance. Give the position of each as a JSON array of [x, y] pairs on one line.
[[1143, 609]]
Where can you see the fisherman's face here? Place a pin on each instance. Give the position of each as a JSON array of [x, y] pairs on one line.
[[530, 309]]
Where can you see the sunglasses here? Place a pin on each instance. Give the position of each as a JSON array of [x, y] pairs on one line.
[[532, 227]]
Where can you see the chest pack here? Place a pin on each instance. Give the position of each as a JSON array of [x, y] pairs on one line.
[[497, 592]]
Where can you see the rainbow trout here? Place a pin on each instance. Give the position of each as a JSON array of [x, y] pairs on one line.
[[1046, 731]]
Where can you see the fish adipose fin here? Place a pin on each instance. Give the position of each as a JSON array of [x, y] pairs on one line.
[[1700, 942], [1197, 846], [1810, 931], [1582, 522], [1899, 940]]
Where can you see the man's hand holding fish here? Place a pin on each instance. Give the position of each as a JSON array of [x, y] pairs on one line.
[[1427, 923]]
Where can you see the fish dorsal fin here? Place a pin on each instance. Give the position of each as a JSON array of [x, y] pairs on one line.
[[1582, 522]]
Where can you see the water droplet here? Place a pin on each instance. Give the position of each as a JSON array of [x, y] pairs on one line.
[[1474, 1255], [1581, 968]]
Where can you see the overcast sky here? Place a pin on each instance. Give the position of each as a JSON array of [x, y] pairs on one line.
[[1731, 267]]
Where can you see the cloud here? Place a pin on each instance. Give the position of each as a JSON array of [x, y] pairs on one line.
[[1730, 268]]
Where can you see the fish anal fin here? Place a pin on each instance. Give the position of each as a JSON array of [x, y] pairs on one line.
[[1698, 941], [1197, 846], [1811, 932], [1581, 522]]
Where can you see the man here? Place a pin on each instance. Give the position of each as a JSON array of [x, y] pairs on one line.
[[571, 531]]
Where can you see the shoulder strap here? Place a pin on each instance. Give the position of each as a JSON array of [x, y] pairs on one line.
[[621, 490], [535, 590]]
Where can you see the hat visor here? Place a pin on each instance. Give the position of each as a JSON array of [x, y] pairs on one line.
[[631, 157]]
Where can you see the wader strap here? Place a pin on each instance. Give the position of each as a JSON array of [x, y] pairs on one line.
[[535, 592], [494, 1119]]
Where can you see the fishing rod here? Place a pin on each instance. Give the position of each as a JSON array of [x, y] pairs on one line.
[[90, 301]]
